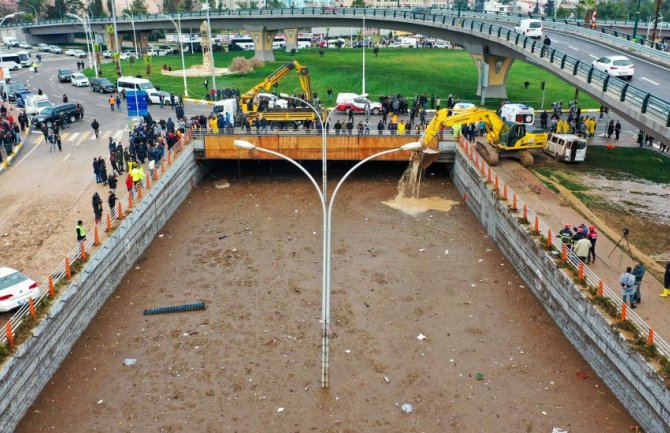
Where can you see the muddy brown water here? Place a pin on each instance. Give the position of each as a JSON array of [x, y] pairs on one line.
[[251, 361]]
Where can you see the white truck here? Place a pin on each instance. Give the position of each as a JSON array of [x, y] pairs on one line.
[[10, 41], [227, 106], [566, 147], [530, 27], [35, 104], [518, 113]]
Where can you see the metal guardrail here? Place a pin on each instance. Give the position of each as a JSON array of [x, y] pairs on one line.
[[636, 99], [510, 198], [58, 275]]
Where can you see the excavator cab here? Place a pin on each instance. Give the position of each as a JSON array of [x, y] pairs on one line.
[[512, 134]]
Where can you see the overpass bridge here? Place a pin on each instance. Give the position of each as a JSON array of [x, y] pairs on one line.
[[493, 47]]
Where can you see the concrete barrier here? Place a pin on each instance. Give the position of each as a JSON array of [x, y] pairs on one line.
[[634, 382], [24, 375]]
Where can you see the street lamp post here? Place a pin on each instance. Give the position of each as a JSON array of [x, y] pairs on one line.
[[15, 14], [132, 23], [364, 43], [206, 7], [33, 8], [327, 224], [116, 36], [181, 48], [637, 19], [89, 40]]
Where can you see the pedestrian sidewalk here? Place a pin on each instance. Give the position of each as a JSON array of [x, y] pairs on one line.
[[611, 262]]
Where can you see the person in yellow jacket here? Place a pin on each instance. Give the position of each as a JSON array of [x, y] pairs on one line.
[[401, 127], [591, 127], [457, 130], [135, 174], [213, 125]]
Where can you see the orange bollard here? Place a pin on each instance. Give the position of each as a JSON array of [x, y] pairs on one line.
[[650, 338], [130, 200], [549, 238], [82, 244], [96, 236], [155, 174], [505, 192], [564, 253], [169, 155], [119, 213], [139, 190], [537, 224], [580, 272], [514, 202], [31, 307], [497, 183], [525, 212], [483, 170], [624, 309], [10, 336], [148, 182], [601, 288], [477, 161], [489, 174], [52, 288], [68, 271], [108, 227], [162, 165]]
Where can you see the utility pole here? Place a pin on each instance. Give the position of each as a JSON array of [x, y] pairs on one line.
[[637, 19], [658, 11]]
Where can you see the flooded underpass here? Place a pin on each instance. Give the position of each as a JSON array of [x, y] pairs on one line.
[[425, 311]]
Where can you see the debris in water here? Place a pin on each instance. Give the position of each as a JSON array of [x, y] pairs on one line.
[[161, 235], [558, 430], [100, 401], [222, 185], [582, 375], [407, 408], [281, 409], [422, 250], [223, 237], [386, 379], [479, 375], [446, 252], [421, 337], [129, 361]]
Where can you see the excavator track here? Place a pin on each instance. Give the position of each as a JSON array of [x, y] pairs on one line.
[[488, 152], [526, 158]]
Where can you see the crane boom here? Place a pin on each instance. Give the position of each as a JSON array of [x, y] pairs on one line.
[[276, 77]]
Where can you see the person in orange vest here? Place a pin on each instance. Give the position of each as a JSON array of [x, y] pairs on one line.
[[112, 102]]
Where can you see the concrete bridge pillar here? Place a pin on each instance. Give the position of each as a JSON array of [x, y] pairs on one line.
[[494, 77], [263, 40], [142, 41], [291, 39]]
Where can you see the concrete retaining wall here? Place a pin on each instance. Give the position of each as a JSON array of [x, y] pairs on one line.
[[634, 382], [37, 359]]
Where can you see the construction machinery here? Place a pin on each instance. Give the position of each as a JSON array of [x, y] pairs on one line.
[[254, 104], [503, 138]]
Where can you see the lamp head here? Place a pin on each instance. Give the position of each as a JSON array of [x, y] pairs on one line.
[[415, 145], [243, 144]]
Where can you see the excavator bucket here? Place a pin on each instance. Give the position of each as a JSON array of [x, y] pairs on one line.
[[428, 156]]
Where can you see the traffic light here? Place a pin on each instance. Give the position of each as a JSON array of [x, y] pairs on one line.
[[542, 83]]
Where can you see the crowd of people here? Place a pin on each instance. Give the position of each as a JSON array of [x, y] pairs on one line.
[[10, 131]]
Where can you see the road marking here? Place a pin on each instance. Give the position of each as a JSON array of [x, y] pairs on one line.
[[31, 151], [118, 135], [73, 136], [83, 137], [573, 48], [40, 140], [105, 134], [66, 157], [594, 57], [648, 80]]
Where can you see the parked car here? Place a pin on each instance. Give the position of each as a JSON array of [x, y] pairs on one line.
[[274, 101], [107, 54], [102, 85], [15, 289], [36, 104], [69, 52], [617, 66], [169, 49], [361, 44], [21, 96], [79, 80], [64, 75], [43, 47], [351, 102], [154, 97], [13, 88], [79, 53], [52, 114], [55, 49], [25, 46]]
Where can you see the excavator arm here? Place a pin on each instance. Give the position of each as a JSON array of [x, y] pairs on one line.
[[276, 77], [494, 125]]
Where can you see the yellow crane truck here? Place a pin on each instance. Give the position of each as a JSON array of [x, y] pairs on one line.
[[279, 118], [503, 138]]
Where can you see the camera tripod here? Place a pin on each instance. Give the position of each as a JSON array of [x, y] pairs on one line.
[[624, 237]]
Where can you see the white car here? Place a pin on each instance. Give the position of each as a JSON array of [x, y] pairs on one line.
[[25, 45], [107, 54], [617, 66], [154, 97], [354, 103], [15, 289], [80, 80], [69, 52], [79, 53], [274, 101], [55, 49]]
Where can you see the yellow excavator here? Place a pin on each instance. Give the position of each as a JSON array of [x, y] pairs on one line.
[[279, 118], [503, 138]]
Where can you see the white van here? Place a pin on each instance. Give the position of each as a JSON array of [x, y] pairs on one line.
[[35, 104], [304, 42], [518, 113], [566, 147], [132, 83], [228, 106], [279, 43], [530, 27]]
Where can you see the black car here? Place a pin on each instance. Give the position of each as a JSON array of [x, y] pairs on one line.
[[53, 114], [64, 75], [13, 88], [102, 85]]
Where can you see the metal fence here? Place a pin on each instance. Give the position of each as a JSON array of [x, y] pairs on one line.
[[510, 198], [79, 254]]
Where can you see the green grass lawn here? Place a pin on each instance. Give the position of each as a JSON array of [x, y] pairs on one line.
[[626, 162], [395, 71]]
